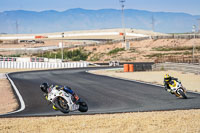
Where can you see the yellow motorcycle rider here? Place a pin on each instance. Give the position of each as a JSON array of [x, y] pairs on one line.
[[169, 82]]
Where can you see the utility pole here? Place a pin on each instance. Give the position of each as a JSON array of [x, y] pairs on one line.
[[199, 24], [153, 23], [123, 23], [17, 26], [62, 46], [193, 48], [126, 44]]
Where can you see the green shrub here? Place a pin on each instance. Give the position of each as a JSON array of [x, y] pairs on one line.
[[97, 56], [74, 55], [14, 55], [115, 51], [175, 48]]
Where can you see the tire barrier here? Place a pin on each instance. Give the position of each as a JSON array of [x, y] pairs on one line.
[[41, 65], [114, 63], [36, 59], [7, 59], [140, 66]]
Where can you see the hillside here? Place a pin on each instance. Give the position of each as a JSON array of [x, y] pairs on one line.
[[142, 51]]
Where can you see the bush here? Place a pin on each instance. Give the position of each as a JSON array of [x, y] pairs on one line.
[[115, 51], [14, 55], [175, 48], [74, 55]]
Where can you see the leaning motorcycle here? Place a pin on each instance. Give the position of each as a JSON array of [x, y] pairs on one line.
[[65, 102], [178, 89]]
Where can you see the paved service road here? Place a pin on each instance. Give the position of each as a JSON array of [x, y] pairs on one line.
[[103, 94]]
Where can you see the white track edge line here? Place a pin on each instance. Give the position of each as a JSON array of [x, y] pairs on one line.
[[143, 82], [22, 104]]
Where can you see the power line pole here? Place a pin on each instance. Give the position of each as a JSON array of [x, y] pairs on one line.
[[123, 23], [199, 24], [17, 26], [153, 23], [193, 48], [62, 46]]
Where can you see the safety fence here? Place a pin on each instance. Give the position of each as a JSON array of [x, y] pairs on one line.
[[172, 36], [41, 65], [178, 59], [184, 67]]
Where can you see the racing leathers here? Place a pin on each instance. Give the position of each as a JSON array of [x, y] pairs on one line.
[[169, 82]]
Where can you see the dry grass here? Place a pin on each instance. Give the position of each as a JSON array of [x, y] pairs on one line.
[[147, 122]]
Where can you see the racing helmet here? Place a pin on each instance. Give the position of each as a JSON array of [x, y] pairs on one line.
[[167, 78], [44, 87]]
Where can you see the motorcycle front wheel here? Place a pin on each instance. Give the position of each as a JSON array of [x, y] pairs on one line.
[[182, 94], [62, 105]]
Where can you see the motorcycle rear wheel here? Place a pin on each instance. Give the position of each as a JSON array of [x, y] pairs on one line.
[[83, 106]]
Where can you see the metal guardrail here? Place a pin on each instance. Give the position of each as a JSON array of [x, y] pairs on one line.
[[191, 68]]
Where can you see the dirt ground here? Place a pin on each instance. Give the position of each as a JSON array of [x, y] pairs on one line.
[[8, 102], [140, 51]]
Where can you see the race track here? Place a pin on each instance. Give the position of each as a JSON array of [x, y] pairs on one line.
[[103, 94]]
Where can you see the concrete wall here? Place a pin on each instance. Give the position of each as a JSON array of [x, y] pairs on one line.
[[40, 65]]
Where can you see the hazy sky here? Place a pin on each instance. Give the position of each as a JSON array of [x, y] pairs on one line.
[[187, 6]]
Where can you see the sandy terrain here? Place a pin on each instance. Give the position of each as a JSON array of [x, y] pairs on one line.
[[187, 121]]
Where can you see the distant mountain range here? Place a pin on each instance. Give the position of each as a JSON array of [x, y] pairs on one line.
[[81, 19]]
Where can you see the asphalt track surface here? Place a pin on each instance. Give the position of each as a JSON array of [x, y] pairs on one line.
[[103, 94]]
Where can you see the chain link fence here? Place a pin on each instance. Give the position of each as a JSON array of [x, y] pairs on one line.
[[178, 59], [184, 67]]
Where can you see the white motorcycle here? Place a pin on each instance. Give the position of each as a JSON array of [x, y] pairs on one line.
[[178, 89], [65, 102]]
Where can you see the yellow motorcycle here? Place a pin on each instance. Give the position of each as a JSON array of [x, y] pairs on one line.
[[177, 89]]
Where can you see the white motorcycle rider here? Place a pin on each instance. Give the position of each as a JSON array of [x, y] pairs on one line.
[[63, 98]]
